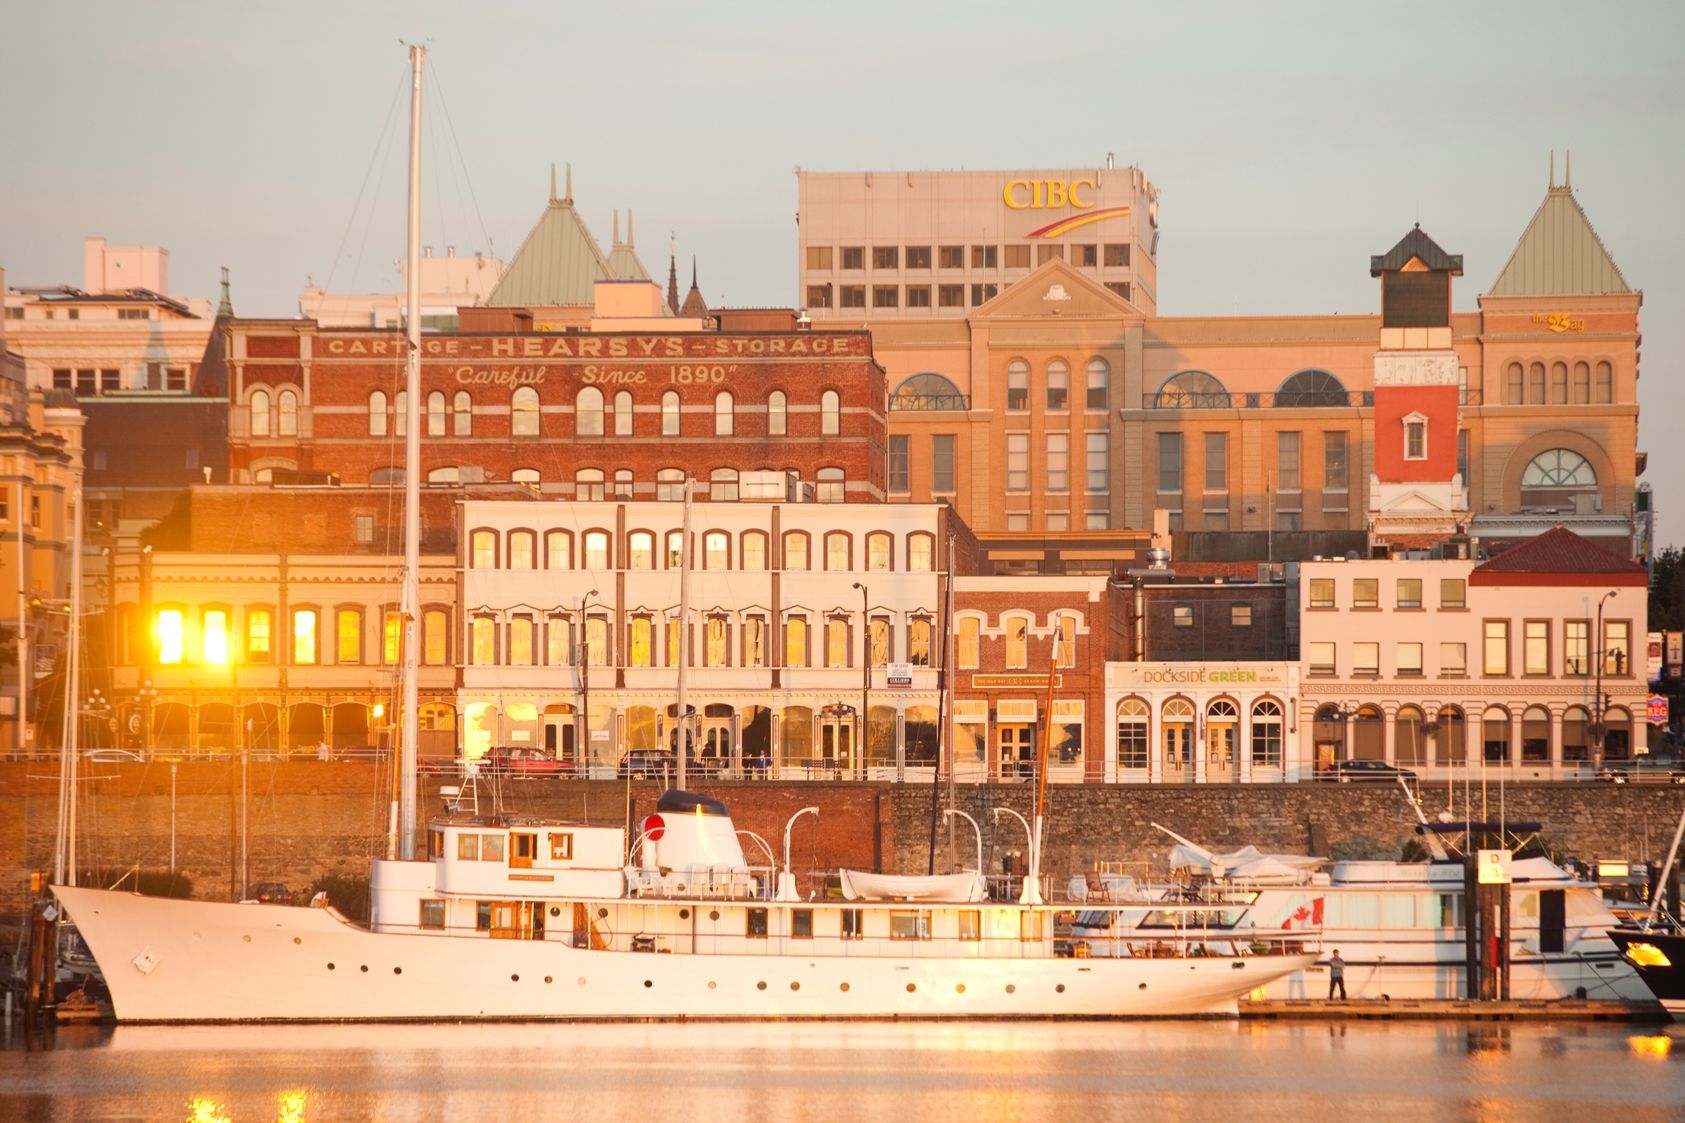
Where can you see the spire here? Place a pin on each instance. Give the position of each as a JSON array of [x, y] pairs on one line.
[[225, 306], [553, 181], [628, 226], [568, 198], [694, 306], [615, 237], [673, 275], [1568, 169], [692, 270]]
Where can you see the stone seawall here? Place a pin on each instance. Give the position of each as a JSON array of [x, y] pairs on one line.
[[306, 819]]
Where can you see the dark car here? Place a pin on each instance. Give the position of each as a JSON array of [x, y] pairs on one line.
[[273, 893], [644, 764], [1356, 771], [1651, 768]]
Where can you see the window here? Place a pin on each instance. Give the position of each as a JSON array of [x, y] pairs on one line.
[[377, 414], [776, 417], [918, 641], [1453, 592], [950, 257], [1576, 658], [1453, 660], [795, 550], [716, 550], [1366, 592], [1617, 651], [1191, 389], [640, 550], [754, 550], [716, 641], [258, 411], [836, 551], [1409, 659], [852, 296], [1132, 740], [1319, 656], [831, 486], [819, 257], [898, 466], [1495, 646], [1115, 255], [754, 641], [879, 555], [304, 636], [877, 640], [885, 296], [596, 550], [622, 482], [1240, 616], [1287, 461], [523, 412], [1018, 257], [1409, 592], [558, 549], [1334, 462], [432, 914], [1559, 383], [462, 414], [596, 640], [1058, 461], [1085, 256], [722, 485], [1046, 253], [854, 257], [1169, 463], [1415, 438], [588, 484], [435, 637], [950, 296], [521, 549], [286, 408], [588, 412], [1182, 615], [1605, 383], [558, 640], [391, 636], [362, 529], [522, 633], [1058, 386], [968, 642], [1266, 733], [1065, 640], [795, 641], [830, 413], [889, 257], [984, 257], [258, 624], [1216, 462], [436, 414], [1536, 383], [1098, 463], [1535, 647], [1017, 643], [670, 485], [348, 631], [1099, 376], [942, 464], [670, 414], [675, 549], [482, 641], [1018, 462], [1017, 385], [1322, 592]]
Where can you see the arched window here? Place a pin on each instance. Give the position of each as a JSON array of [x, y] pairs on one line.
[[558, 549], [596, 550], [838, 547], [1311, 389], [623, 414], [1017, 637], [258, 411], [1133, 743], [1535, 735], [722, 485], [1369, 737], [795, 549], [832, 486], [1536, 383], [377, 414], [675, 550], [1266, 733], [286, 408], [588, 484], [526, 476], [670, 485], [1191, 389], [522, 547], [1017, 386], [968, 642], [622, 484], [1494, 736], [723, 414], [401, 412], [754, 550], [879, 554], [1058, 385], [588, 412], [1176, 727], [1582, 384], [435, 637], [920, 547], [927, 390], [670, 414], [1408, 742], [462, 414], [1554, 477], [1559, 383], [523, 412], [830, 413], [777, 418], [1222, 732], [449, 474], [640, 550], [1451, 735], [716, 550], [1515, 392], [436, 414], [1065, 639], [1099, 376], [1605, 383], [482, 549], [1576, 724]]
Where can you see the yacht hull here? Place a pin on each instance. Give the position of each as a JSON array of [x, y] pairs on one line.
[[167, 960]]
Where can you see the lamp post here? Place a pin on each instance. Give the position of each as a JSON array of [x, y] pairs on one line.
[[975, 830], [582, 755], [865, 672], [1599, 703], [1031, 892], [787, 879]]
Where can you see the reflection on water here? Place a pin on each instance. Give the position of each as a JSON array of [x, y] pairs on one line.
[[1302, 1072]]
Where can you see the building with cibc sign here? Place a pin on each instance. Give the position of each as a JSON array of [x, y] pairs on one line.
[[1034, 383]]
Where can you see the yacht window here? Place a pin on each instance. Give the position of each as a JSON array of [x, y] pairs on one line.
[[801, 924], [1398, 910], [432, 914], [491, 848], [909, 925], [561, 846], [468, 847], [756, 926]]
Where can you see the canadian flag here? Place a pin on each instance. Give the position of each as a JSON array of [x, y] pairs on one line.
[[1305, 916]]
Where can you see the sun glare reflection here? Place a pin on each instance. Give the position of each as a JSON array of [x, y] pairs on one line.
[[289, 1107], [1655, 1046], [203, 1109]]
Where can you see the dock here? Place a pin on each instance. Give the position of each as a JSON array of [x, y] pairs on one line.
[[1453, 1009]]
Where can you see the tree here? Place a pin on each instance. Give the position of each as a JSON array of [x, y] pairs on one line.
[[1667, 590]]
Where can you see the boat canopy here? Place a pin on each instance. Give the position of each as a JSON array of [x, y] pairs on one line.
[[859, 885]]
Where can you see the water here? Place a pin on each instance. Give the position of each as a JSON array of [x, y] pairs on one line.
[[983, 1072]]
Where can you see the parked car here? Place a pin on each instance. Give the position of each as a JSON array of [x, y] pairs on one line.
[[1357, 771], [438, 766], [273, 893], [517, 761], [1651, 768], [113, 756], [643, 764]]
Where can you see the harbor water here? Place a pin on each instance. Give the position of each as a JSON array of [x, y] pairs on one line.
[[1301, 1072]]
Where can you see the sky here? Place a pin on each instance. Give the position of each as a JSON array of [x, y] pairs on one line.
[[1290, 141]]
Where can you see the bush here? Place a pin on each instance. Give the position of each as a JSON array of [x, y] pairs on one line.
[[350, 895]]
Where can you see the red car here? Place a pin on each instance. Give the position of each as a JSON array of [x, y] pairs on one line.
[[526, 762]]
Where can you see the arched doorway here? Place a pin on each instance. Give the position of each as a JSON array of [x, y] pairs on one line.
[[560, 732], [350, 726], [1328, 734], [1177, 723], [1369, 735], [718, 739], [1222, 733], [306, 726]]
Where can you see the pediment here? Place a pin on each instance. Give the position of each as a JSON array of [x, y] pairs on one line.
[[1412, 502], [1056, 289]]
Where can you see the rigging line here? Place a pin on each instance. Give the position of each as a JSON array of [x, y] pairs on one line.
[[380, 140], [368, 226], [450, 126], [442, 220]]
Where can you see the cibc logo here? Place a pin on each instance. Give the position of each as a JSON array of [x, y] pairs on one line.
[[1040, 194]]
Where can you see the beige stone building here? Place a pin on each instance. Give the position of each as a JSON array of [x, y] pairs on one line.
[[1063, 402]]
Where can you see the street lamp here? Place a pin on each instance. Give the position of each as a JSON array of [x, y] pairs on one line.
[[865, 670], [975, 830], [1599, 703], [787, 879]]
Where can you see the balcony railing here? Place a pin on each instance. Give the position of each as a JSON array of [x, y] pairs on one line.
[[904, 401], [1312, 399]]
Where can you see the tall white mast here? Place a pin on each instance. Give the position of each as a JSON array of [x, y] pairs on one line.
[[64, 856], [410, 604], [684, 644]]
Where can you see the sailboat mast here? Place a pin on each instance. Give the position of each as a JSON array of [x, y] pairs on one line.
[[410, 604], [64, 858], [684, 644]]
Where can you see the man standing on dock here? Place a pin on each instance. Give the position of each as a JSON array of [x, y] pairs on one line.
[[1336, 975]]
